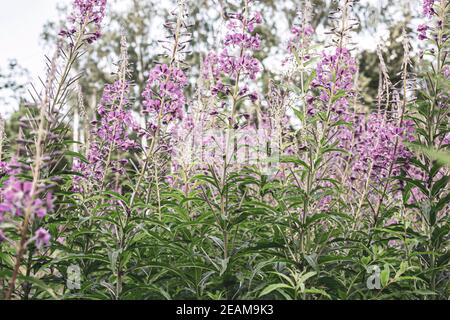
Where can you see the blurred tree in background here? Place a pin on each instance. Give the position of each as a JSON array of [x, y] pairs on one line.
[[13, 80], [141, 21]]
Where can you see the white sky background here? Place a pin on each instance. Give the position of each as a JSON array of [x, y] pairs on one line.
[[21, 24]]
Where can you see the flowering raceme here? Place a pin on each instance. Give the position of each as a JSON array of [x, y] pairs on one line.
[[226, 69], [374, 143], [111, 133], [301, 39], [333, 87], [334, 75], [17, 199], [427, 8], [227, 79], [115, 120], [163, 95], [86, 12]]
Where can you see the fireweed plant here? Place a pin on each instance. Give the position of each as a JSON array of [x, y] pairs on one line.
[[235, 192]]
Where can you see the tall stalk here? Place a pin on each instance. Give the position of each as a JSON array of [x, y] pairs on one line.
[[47, 103], [174, 61]]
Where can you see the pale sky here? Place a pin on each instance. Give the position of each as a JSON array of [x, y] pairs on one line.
[[21, 23]]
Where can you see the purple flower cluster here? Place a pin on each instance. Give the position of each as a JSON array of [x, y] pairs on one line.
[[299, 43], [163, 95], [111, 132], [86, 12], [243, 40], [334, 76], [227, 65], [374, 145], [17, 198], [301, 38], [446, 72], [10, 168], [225, 69], [41, 237], [93, 170], [422, 29], [115, 120], [4, 167], [427, 7]]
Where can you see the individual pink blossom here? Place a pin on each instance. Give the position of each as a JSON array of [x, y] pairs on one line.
[[446, 72], [41, 237], [422, 29], [427, 8]]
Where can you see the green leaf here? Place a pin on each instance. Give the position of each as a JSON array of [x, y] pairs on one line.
[[384, 275], [338, 95], [78, 155], [317, 291], [298, 114], [307, 275], [439, 185], [273, 287]]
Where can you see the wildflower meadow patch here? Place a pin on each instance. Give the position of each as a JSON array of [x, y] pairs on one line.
[[211, 176]]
